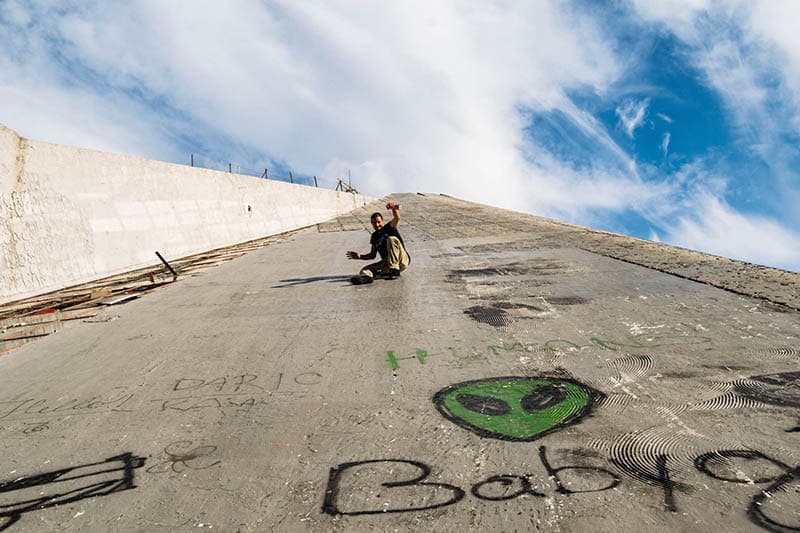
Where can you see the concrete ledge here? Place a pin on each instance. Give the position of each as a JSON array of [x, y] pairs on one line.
[[71, 215]]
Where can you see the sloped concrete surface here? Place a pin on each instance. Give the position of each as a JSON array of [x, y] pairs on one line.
[[522, 375]]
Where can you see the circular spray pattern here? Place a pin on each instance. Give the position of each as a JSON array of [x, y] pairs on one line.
[[633, 366], [615, 402], [779, 352], [718, 386], [729, 400], [643, 454]]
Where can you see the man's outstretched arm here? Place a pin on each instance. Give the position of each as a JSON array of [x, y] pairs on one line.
[[395, 213], [371, 255]]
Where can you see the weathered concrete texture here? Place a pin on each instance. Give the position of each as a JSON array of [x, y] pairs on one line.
[[69, 215], [510, 380], [771, 284]]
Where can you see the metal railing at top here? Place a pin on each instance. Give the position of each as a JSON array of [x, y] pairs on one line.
[[203, 161], [342, 186]]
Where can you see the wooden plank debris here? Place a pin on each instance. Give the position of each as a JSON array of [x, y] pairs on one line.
[[122, 298], [25, 320]]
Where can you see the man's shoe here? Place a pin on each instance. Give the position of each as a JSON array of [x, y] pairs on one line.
[[361, 280], [394, 273]]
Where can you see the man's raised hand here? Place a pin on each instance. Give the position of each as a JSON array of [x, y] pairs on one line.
[[392, 205]]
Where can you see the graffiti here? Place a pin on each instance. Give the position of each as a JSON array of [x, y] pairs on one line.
[[523, 409], [330, 506], [422, 356], [392, 359], [553, 346], [771, 508], [660, 478], [554, 474], [645, 341], [59, 487], [498, 488], [231, 384], [558, 344], [740, 466], [245, 383], [192, 403], [242, 391], [36, 408], [515, 408], [427, 495], [35, 427], [180, 457]]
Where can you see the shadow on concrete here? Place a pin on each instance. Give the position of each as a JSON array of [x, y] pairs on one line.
[[301, 281]]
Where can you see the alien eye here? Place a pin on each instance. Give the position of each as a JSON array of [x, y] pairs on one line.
[[485, 405], [543, 397]]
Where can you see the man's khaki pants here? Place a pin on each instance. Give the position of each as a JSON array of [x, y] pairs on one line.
[[395, 258]]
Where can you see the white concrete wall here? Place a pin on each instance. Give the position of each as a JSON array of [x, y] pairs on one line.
[[69, 215]]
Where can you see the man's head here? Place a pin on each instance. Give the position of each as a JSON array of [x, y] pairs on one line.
[[377, 220]]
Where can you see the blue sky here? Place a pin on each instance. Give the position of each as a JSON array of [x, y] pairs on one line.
[[674, 120]]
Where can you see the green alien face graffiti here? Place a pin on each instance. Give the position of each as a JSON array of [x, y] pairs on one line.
[[515, 408]]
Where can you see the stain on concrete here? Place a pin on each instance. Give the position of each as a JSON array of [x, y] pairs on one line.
[[494, 316], [566, 300]]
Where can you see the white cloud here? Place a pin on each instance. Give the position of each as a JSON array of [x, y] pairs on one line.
[[41, 108], [664, 117], [749, 53], [665, 143], [412, 95], [692, 213], [16, 12], [679, 15], [654, 236], [719, 229], [740, 84], [631, 115], [558, 190], [742, 46], [776, 22]]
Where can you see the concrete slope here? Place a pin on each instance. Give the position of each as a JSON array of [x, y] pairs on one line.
[[518, 377]]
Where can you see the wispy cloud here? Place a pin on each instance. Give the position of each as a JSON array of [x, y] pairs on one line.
[[693, 213], [665, 143], [717, 228], [631, 115], [749, 54]]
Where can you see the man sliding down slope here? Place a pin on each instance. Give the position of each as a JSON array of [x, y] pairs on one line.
[[387, 242]]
